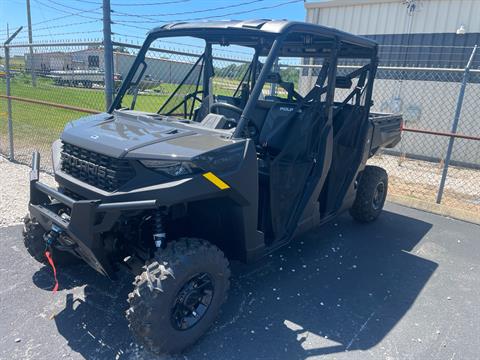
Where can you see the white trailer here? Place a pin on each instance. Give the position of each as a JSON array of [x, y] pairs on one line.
[[85, 78]]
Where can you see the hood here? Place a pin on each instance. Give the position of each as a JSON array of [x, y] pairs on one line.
[[134, 134]]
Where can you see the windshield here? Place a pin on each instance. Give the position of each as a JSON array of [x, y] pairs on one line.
[[175, 83]]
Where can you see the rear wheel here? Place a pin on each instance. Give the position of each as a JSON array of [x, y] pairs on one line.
[[178, 295], [35, 244], [371, 194]]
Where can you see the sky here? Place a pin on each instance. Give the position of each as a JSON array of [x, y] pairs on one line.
[[55, 20]]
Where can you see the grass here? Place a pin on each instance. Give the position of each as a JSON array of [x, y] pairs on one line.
[[37, 126], [46, 91], [93, 99]]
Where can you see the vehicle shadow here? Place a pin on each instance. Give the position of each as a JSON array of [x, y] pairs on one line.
[[342, 287]]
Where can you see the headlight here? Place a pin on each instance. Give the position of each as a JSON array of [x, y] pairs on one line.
[[219, 161], [171, 168]]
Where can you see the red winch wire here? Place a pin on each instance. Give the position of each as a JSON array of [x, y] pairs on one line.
[[48, 254]]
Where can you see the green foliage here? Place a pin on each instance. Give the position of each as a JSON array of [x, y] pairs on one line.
[[290, 75]]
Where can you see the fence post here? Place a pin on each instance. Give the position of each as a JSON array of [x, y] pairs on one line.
[[108, 54], [8, 93], [9, 104], [461, 95]]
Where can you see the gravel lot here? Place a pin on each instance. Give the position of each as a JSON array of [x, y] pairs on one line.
[[419, 179], [14, 195]]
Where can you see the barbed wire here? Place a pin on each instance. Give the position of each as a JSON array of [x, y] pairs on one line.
[[67, 25], [119, 23], [60, 34], [61, 26]]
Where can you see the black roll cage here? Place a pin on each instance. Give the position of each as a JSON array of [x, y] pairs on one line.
[[333, 43]]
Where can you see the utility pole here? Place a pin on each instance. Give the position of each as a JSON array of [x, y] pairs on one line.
[[30, 41], [108, 53]]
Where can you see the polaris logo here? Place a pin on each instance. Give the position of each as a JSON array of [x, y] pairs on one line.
[[83, 165]]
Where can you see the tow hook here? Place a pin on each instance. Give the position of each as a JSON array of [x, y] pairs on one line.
[[50, 238]]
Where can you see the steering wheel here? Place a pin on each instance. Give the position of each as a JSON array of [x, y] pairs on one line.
[[238, 110], [226, 106]]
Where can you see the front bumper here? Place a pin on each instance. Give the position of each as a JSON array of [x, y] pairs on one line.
[[88, 219]]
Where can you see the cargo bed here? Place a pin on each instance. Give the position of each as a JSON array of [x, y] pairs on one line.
[[386, 132]]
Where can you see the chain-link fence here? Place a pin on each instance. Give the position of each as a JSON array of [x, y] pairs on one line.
[[428, 100], [431, 103], [70, 84], [66, 85]]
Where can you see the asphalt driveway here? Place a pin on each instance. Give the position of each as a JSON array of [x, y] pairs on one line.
[[404, 287]]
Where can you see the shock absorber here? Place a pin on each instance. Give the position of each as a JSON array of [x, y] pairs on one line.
[[159, 234]]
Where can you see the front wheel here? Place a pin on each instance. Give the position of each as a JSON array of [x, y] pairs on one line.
[[178, 295], [371, 194]]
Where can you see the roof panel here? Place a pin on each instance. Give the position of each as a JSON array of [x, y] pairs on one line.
[[262, 27]]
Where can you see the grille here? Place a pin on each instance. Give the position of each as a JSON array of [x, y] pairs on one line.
[[101, 171]]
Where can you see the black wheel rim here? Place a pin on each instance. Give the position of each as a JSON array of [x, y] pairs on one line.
[[192, 302], [378, 196]]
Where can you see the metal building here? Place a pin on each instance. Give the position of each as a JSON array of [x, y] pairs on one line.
[[427, 33], [48, 61], [416, 35]]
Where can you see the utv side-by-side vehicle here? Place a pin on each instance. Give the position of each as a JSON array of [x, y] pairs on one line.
[[221, 168]]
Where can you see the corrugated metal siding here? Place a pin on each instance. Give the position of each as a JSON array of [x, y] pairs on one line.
[[425, 39], [447, 50], [430, 16]]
